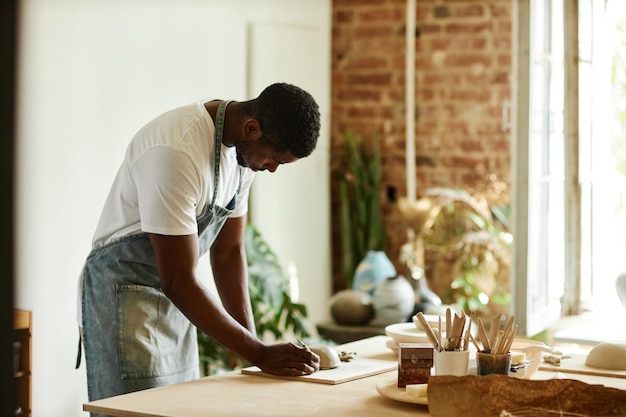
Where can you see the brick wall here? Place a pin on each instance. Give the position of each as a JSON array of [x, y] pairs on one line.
[[463, 69]]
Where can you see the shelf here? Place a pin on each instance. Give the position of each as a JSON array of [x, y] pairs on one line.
[[343, 334], [22, 320], [22, 335]]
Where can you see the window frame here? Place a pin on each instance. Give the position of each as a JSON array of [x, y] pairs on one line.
[[534, 302]]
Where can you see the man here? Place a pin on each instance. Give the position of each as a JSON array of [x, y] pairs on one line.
[[182, 190]]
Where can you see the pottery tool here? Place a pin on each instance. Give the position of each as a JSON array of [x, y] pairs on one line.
[[467, 335], [498, 342], [474, 342], [430, 334], [506, 330], [506, 336], [456, 338], [455, 334], [482, 336], [509, 324], [494, 345], [493, 329], [511, 336], [439, 329], [304, 345]]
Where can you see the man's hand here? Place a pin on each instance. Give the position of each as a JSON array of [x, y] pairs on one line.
[[287, 359]]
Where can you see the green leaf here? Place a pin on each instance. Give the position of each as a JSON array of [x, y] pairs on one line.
[[361, 219]]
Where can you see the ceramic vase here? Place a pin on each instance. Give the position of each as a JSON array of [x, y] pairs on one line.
[[393, 301], [374, 269], [425, 298], [351, 308]]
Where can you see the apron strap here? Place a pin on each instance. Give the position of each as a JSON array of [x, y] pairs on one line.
[[219, 132]]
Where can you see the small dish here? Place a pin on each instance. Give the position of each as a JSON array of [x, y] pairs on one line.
[[391, 344], [388, 388]]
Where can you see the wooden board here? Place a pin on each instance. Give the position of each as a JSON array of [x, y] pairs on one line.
[[347, 371], [576, 365]]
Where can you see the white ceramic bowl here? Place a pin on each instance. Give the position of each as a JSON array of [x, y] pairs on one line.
[[406, 333]]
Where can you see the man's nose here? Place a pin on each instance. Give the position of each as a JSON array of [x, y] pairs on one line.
[[271, 166]]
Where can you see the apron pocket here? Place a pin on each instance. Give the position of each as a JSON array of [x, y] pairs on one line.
[[154, 338]]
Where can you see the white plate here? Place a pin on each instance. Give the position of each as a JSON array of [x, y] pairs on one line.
[[388, 388], [406, 333]]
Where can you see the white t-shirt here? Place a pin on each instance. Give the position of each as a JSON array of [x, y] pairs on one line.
[[167, 177]]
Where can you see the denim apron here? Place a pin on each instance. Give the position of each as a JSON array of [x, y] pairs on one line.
[[134, 337]]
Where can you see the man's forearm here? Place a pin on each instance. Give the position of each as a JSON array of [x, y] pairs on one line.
[[230, 273]]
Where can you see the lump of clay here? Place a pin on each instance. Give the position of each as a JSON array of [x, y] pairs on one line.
[[329, 358], [607, 356]]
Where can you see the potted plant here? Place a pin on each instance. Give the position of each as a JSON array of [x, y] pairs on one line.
[[469, 241], [362, 228]]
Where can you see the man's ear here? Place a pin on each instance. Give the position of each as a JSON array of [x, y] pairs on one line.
[[252, 129]]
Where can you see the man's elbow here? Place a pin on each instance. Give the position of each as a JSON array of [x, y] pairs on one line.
[[174, 289]]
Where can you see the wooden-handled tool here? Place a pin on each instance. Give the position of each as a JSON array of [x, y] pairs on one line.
[[430, 333]]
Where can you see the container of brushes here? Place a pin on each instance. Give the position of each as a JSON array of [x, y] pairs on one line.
[[491, 363]]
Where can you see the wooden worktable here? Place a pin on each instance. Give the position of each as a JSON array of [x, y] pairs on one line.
[[235, 394]]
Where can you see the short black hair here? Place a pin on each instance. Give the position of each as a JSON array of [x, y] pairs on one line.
[[289, 117]]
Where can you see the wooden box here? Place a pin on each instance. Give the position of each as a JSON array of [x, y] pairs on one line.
[[415, 361]]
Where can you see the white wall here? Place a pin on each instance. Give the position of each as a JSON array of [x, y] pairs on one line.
[[91, 73], [291, 205]]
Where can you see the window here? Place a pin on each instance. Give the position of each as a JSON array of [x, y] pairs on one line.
[[567, 207], [602, 35]]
